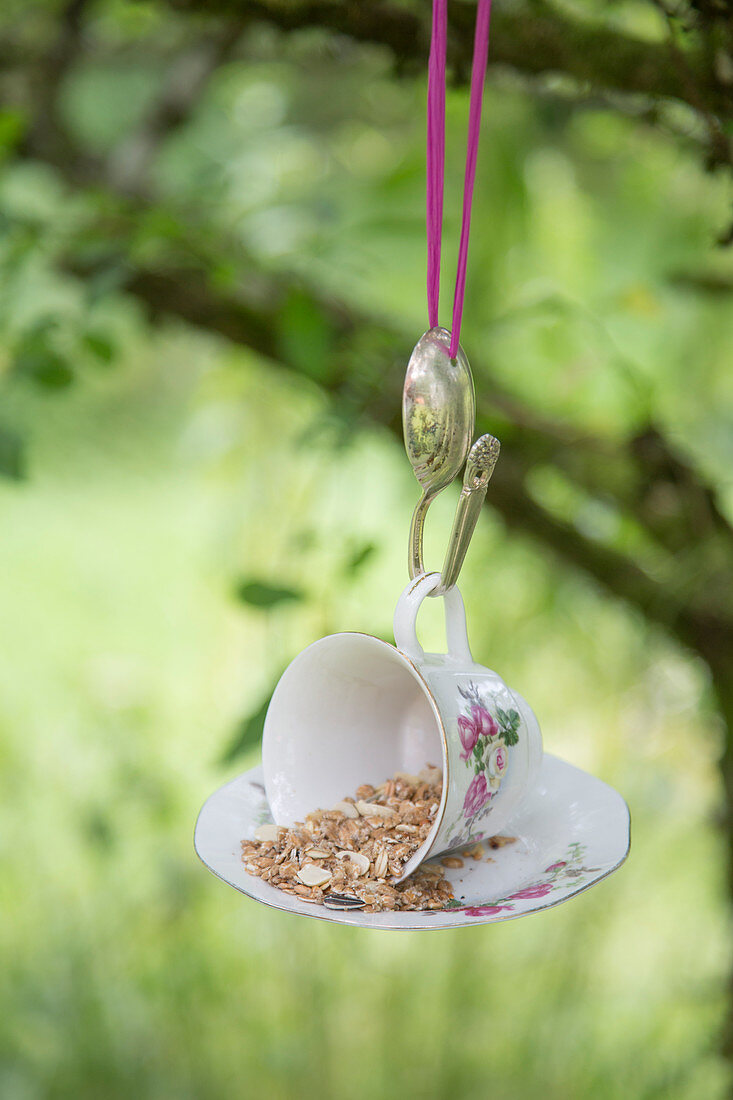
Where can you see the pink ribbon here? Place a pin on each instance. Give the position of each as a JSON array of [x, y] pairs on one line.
[[436, 156]]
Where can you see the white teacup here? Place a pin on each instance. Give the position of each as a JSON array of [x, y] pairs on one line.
[[352, 709]]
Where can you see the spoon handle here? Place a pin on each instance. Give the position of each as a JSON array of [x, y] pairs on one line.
[[480, 466], [417, 527]]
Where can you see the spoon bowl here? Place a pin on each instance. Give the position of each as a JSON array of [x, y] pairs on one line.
[[438, 412]]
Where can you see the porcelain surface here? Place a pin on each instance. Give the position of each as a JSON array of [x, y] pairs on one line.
[[571, 832], [492, 740], [352, 709]]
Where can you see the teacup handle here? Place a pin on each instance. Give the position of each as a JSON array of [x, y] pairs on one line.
[[405, 619]]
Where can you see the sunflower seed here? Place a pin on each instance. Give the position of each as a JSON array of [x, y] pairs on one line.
[[343, 901]]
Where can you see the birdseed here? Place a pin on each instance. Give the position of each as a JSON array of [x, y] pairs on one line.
[[500, 841], [350, 857]]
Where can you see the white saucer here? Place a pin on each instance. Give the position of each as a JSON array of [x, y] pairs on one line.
[[572, 831]]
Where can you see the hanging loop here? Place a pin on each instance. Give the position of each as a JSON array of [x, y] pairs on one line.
[[405, 620]]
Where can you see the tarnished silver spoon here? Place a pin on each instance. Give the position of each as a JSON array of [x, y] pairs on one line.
[[438, 412], [482, 459]]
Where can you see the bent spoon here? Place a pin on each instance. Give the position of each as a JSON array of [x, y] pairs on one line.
[[480, 464], [438, 412]]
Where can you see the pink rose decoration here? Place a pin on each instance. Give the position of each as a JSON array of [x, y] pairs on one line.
[[485, 910], [537, 891], [468, 735], [480, 724], [477, 795], [556, 866], [487, 727]]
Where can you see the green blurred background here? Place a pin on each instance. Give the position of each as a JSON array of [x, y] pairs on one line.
[[212, 271]]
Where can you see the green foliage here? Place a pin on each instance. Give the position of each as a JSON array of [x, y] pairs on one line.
[[360, 557], [259, 594], [45, 366], [128, 970], [12, 128], [100, 346], [249, 733], [38, 360], [12, 454], [306, 337], [128, 669]]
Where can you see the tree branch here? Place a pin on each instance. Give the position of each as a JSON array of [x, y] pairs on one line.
[[535, 40], [48, 74], [648, 480], [130, 163], [637, 478]]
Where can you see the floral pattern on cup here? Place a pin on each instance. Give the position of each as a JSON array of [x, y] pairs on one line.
[[563, 873], [476, 724], [477, 796], [485, 739], [486, 732]]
